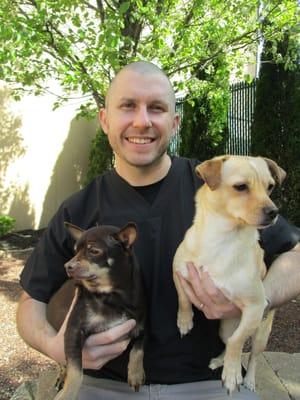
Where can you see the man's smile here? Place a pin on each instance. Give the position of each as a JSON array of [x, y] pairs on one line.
[[140, 140]]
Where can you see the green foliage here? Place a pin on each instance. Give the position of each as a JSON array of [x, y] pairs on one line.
[[6, 224], [100, 158], [198, 139], [82, 44], [276, 126], [203, 129]]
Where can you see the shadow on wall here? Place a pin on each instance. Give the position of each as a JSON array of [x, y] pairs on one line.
[[70, 169], [21, 202], [11, 144]]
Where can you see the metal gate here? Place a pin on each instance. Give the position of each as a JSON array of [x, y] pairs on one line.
[[240, 116], [239, 119]]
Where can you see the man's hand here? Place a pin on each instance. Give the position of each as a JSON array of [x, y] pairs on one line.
[[98, 348], [203, 294], [103, 347]]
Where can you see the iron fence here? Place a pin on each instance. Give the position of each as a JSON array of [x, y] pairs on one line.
[[239, 119]]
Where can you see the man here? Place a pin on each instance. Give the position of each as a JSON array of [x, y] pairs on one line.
[[157, 193]]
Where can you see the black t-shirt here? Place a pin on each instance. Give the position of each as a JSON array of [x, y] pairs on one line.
[[162, 223]]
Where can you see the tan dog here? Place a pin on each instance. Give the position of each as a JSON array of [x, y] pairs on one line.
[[230, 206]]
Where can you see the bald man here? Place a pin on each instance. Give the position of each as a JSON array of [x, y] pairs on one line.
[[157, 192]]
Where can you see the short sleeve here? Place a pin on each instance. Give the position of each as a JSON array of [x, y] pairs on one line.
[[278, 238], [44, 270]]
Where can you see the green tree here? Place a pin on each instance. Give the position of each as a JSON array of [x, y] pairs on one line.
[[100, 157], [276, 125], [203, 129], [82, 43]]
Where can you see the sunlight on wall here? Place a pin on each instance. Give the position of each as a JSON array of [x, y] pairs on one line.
[[28, 178]]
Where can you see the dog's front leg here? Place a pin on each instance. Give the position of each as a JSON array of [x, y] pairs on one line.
[[74, 339], [185, 311], [250, 320], [259, 343], [136, 374]]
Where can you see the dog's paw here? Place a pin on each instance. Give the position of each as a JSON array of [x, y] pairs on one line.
[[232, 377], [136, 379], [249, 383], [217, 362], [184, 322]]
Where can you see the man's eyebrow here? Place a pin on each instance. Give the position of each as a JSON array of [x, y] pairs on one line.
[[154, 101], [126, 99]]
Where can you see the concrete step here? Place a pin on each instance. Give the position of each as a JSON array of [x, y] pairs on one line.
[[277, 375]]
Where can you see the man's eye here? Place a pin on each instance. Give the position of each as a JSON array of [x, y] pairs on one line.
[[240, 187], [127, 105], [157, 108]]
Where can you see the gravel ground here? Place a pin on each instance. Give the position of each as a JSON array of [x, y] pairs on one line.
[[19, 362]]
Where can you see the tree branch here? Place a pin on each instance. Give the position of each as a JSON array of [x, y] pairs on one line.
[[101, 10]]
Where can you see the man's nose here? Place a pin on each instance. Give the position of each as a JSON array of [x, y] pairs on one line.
[[142, 118]]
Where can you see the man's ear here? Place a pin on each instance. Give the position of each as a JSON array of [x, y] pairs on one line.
[[74, 230], [210, 171], [103, 119], [176, 122]]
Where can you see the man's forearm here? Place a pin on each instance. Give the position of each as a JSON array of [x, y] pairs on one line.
[[282, 282], [33, 326]]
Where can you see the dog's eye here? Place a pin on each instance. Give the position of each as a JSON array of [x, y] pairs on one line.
[[94, 251], [270, 187], [241, 187]]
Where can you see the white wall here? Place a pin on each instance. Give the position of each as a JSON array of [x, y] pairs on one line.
[[45, 155]]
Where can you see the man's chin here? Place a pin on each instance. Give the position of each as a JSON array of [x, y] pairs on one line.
[[144, 161]]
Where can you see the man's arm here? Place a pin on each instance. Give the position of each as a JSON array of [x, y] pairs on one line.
[[35, 330], [282, 282]]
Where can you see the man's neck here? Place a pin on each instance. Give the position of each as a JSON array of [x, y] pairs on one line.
[[143, 175]]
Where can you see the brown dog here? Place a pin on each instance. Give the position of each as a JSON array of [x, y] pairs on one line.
[[230, 206], [106, 274]]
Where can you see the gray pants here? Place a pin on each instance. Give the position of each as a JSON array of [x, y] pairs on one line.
[[103, 389]]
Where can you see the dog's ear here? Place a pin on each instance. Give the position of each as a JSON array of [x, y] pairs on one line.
[[276, 171], [74, 230], [127, 235], [210, 171]]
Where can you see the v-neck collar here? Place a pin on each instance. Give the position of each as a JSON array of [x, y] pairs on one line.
[[137, 201]]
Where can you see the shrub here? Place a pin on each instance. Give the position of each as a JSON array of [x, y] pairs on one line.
[[276, 125], [198, 139], [6, 224], [100, 157]]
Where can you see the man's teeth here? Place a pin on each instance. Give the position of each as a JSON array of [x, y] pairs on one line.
[[139, 140]]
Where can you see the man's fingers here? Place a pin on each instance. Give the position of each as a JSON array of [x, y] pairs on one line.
[[196, 299], [111, 335], [103, 351], [199, 288], [95, 357], [212, 291]]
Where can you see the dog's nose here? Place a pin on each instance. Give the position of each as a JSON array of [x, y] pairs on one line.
[[71, 266], [271, 212]]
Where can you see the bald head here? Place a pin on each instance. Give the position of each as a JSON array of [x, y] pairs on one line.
[[142, 68]]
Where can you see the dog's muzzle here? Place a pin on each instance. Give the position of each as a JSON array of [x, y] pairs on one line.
[[270, 214]]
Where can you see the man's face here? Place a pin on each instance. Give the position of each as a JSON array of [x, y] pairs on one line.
[[139, 118]]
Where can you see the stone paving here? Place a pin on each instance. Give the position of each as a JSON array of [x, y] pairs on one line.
[[278, 376]]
